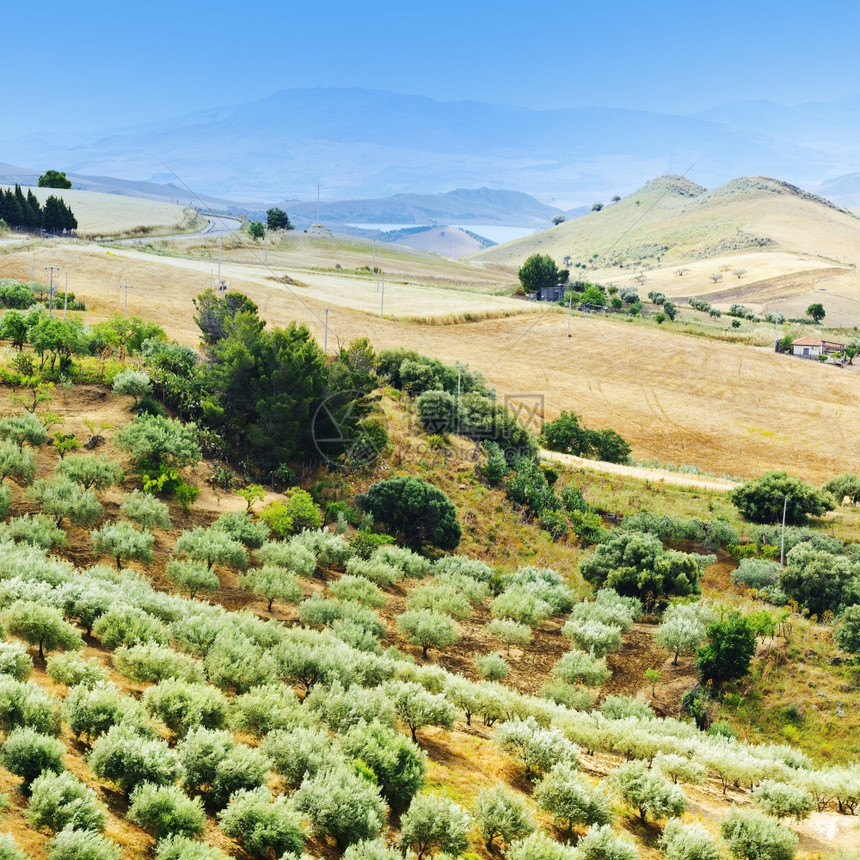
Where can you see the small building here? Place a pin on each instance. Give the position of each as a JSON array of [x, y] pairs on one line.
[[813, 347], [549, 294]]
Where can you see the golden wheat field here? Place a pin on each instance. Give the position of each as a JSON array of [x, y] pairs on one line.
[[726, 408]]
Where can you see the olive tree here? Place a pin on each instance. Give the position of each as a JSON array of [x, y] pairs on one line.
[[266, 826], [91, 472], [500, 814], [416, 707], [212, 546], [132, 383], [510, 632], [568, 796], [191, 576], [16, 463], [428, 629], [71, 844], [147, 511], [124, 542], [273, 582], [767, 498], [60, 800], [342, 805], [536, 747], [42, 625], [750, 835], [648, 792], [600, 843], [62, 498], [28, 753], [783, 800], [683, 627], [127, 758], [434, 825], [165, 810], [689, 842], [154, 441], [577, 667]]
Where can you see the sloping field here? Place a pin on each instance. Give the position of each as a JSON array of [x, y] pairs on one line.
[[779, 235], [726, 408], [111, 214]]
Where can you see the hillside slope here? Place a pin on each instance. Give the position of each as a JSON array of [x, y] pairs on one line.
[[761, 229]]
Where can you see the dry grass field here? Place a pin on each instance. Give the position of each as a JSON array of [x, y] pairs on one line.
[[726, 408], [792, 248], [111, 214]]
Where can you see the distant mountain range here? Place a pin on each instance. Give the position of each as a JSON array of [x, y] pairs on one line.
[[372, 144]]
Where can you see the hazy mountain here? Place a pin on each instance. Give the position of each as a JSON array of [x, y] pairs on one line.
[[462, 206], [364, 143]]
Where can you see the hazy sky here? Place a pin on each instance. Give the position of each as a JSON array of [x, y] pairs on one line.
[[83, 66]]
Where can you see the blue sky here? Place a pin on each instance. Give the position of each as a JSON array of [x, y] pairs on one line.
[[91, 65]]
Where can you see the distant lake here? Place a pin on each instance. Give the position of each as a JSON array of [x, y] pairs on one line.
[[493, 232]]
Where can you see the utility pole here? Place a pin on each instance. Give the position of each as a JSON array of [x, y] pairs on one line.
[[66, 297], [51, 269], [325, 336], [220, 240], [373, 259], [382, 300], [266, 260], [782, 539], [124, 286], [569, 312]]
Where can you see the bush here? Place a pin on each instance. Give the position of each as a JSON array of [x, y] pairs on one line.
[[635, 564], [567, 795], [492, 667], [783, 800], [192, 576], [570, 696], [753, 836], [215, 766], [500, 814], [689, 842], [15, 661], [577, 667], [342, 805], [648, 792], [81, 845], [154, 662], [126, 758], [165, 810], [762, 499], [300, 753], [61, 800], [357, 589], [239, 526], [440, 598], [181, 705], [434, 825], [183, 848], [26, 753], [90, 712], [132, 383], [600, 843], [414, 510], [266, 827], [9, 849], [439, 412], [847, 632], [727, 654], [128, 625], [593, 636], [147, 511], [42, 625]]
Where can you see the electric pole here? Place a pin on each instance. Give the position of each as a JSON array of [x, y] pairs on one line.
[[325, 336], [51, 269], [124, 286]]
